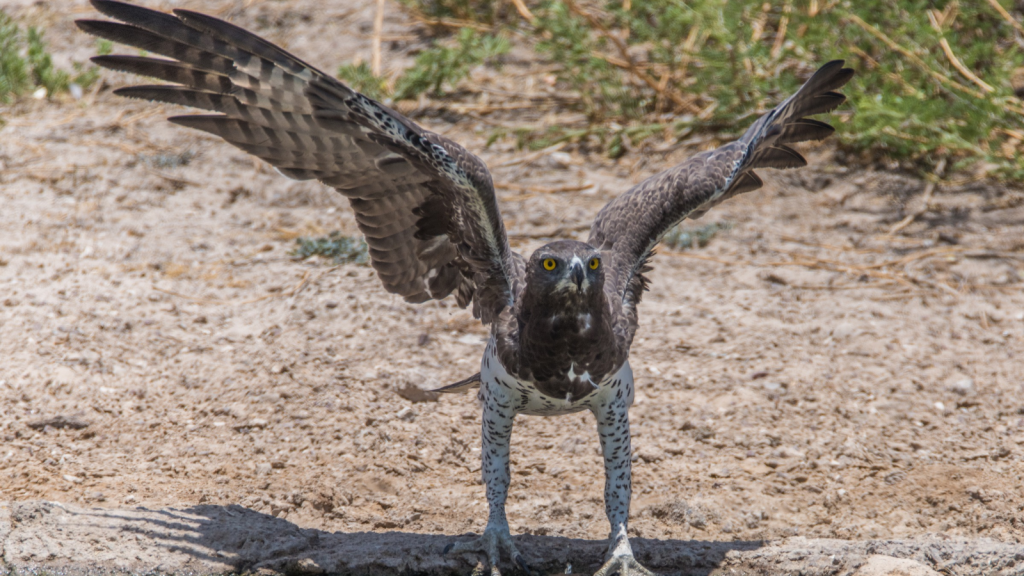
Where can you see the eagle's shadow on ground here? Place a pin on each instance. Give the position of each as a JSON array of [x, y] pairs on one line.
[[237, 539]]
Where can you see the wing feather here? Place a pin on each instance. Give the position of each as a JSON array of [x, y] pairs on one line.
[[778, 156], [426, 205], [630, 226]]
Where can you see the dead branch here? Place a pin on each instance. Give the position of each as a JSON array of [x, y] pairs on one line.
[[925, 201], [628, 60], [933, 18]]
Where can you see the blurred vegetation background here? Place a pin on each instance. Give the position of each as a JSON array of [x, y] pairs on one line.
[[26, 65], [939, 85]]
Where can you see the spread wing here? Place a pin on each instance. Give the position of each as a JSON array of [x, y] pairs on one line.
[[426, 205], [630, 226]]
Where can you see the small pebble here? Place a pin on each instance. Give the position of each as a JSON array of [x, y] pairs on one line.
[[963, 387], [559, 160]]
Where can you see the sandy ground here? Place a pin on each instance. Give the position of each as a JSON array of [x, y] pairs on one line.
[[804, 375]]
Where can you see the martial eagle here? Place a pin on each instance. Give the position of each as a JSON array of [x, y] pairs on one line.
[[561, 320]]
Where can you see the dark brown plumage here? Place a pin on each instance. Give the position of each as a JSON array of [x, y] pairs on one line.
[[630, 226], [562, 322], [565, 328], [425, 204]]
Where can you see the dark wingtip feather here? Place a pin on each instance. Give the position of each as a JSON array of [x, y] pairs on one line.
[[829, 76], [94, 27], [130, 13], [133, 64], [128, 34], [110, 61], [153, 93], [204, 122], [778, 156], [170, 94], [242, 38], [822, 103], [802, 130], [109, 7]]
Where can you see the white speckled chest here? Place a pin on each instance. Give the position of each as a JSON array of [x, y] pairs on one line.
[[497, 385]]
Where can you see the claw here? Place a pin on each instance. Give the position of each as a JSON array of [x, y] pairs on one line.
[[490, 545], [624, 565]]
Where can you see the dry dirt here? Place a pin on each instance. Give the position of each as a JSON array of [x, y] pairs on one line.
[[804, 376]]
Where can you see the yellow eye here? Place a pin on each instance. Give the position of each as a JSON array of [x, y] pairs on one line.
[[595, 263], [549, 264]]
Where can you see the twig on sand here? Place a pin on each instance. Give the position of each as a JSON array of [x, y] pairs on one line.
[[543, 189], [378, 28], [796, 240], [780, 35], [933, 18], [285, 293], [911, 56], [627, 60], [925, 201], [172, 179], [917, 61], [550, 232], [912, 91], [527, 158], [855, 270], [1006, 15], [447, 22], [523, 10]]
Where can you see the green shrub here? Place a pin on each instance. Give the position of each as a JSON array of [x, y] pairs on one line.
[[14, 70], [436, 70], [359, 77], [26, 64], [685, 236], [713, 65], [488, 12], [342, 249], [442, 67]]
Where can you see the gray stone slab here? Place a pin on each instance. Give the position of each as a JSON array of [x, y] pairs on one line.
[[204, 539]]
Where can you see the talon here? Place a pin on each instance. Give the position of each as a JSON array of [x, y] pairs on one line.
[[623, 566], [491, 545]]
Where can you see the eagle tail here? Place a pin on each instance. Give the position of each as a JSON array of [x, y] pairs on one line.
[[461, 386]]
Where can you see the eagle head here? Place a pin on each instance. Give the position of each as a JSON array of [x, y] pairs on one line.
[[566, 270]]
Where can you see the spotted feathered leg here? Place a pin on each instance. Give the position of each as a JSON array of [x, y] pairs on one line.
[[497, 432], [613, 428]]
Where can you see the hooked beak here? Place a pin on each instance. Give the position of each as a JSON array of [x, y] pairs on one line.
[[577, 274]]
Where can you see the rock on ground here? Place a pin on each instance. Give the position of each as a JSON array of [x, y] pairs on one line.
[[879, 565], [208, 539]]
